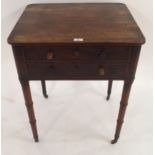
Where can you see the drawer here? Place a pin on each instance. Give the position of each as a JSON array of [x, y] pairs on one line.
[[77, 71], [49, 54]]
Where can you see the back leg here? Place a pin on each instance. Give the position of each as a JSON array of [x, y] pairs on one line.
[[109, 89], [44, 88]]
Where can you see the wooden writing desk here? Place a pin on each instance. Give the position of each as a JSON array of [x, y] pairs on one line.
[[76, 42]]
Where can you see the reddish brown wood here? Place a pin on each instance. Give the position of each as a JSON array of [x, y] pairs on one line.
[[29, 106], [123, 105], [69, 70], [61, 23], [44, 88], [109, 89], [75, 53], [44, 47]]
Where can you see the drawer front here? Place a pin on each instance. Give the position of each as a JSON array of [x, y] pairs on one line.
[[77, 71], [50, 54]]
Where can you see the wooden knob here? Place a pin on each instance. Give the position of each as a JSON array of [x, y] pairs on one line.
[[50, 55], [101, 70]]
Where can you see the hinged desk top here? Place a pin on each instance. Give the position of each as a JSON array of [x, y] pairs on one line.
[[66, 23]]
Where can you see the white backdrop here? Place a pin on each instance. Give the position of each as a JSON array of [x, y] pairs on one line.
[[76, 119]]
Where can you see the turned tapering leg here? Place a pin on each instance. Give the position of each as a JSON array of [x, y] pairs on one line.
[[109, 89], [44, 88], [123, 105], [29, 106]]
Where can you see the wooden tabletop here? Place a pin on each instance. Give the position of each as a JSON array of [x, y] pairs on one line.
[[69, 23]]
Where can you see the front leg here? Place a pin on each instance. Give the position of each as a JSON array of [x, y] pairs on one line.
[[29, 106], [123, 105]]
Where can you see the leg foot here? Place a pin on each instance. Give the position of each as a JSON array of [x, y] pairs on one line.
[[109, 89], [36, 140], [45, 95], [44, 88], [108, 97], [114, 141]]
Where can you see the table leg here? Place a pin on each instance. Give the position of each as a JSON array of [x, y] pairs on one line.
[[123, 105], [109, 89], [29, 106], [44, 88]]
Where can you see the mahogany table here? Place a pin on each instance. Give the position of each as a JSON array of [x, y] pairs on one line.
[[99, 41]]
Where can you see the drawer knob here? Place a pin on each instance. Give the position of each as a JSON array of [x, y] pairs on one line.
[[101, 70], [50, 55]]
